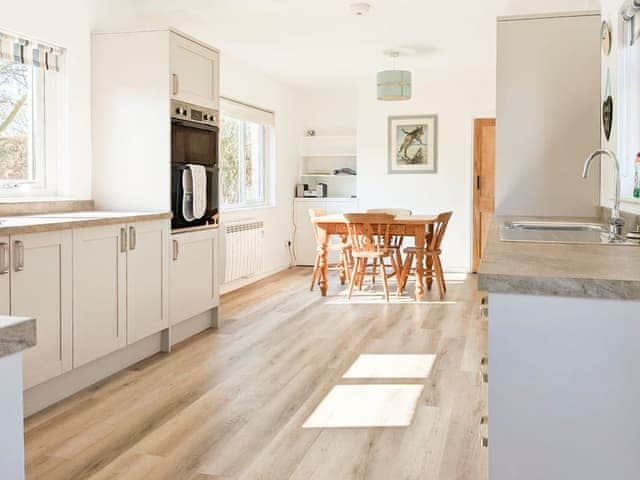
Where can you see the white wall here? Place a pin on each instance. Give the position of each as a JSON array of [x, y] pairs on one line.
[[457, 96], [66, 24], [240, 82], [329, 111]]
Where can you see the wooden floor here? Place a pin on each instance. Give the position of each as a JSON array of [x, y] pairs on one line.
[[230, 404]]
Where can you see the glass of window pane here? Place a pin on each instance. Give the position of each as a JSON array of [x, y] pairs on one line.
[[230, 147], [254, 162], [16, 122]]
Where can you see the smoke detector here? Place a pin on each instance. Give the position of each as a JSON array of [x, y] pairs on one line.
[[360, 9]]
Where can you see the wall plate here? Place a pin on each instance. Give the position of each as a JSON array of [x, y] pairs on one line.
[[605, 37], [607, 116]]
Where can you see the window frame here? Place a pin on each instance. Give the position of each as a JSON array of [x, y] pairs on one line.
[[46, 128], [266, 166]]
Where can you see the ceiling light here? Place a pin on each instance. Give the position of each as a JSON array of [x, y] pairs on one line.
[[394, 85], [360, 9]]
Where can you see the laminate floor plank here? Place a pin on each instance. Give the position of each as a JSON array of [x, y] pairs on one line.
[[231, 404]]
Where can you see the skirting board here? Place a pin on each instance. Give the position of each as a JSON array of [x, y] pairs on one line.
[[243, 282], [41, 396]]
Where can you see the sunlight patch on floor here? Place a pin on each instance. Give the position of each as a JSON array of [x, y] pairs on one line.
[[366, 406], [391, 366]]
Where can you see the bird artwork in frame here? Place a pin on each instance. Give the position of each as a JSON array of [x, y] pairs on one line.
[[413, 144]]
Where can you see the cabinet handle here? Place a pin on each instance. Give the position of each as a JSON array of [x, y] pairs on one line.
[[18, 259], [4, 258], [484, 373], [176, 250], [176, 85], [123, 240], [484, 307], [484, 432], [132, 238]]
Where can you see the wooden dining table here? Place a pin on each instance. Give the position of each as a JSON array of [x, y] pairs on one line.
[[416, 226]]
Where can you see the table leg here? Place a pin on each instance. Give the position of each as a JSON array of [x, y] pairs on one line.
[[430, 264], [420, 239], [324, 260], [344, 262]]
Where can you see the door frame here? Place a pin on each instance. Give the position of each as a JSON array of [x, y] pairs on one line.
[[478, 124]]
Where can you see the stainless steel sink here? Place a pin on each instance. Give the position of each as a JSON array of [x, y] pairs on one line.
[[559, 232]]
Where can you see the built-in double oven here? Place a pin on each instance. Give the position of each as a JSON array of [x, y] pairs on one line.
[[194, 165]]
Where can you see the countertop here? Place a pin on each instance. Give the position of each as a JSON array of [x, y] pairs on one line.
[[13, 225], [569, 270], [16, 334]]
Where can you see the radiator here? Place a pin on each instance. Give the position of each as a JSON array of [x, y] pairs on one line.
[[243, 249]]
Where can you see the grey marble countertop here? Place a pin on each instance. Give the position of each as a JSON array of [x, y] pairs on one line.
[[16, 334], [46, 222], [570, 270]]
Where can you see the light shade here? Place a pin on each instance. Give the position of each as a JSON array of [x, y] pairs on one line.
[[394, 85]]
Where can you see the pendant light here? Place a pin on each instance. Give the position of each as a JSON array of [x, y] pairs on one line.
[[394, 85]]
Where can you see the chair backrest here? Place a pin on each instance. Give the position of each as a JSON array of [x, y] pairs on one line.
[[397, 212], [439, 231], [313, 213], [369, 232]]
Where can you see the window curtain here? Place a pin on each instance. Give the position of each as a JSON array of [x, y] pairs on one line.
[[246, 112], [30, 52]]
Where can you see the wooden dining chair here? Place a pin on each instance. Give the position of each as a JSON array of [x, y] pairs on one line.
[[396, 240], [345, 262], [369, 235], [433, 269]]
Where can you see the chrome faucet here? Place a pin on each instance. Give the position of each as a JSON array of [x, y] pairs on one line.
[[617, 222]]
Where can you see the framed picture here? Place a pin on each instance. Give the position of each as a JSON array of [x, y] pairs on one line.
[[413, 144]]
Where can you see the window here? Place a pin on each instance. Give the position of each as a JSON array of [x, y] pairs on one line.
[[28, 98], [21, 123], [627, 103], [245, 155]]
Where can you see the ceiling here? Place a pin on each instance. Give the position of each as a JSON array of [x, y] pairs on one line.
[[311, 44]]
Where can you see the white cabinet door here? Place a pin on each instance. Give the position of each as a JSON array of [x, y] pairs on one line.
[[41, 288], [5, 267], [99, 292], [193, 282], [195, 72], [305, 241], [147, 301]]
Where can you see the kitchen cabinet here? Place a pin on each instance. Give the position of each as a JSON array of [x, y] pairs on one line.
[[193, 277], [99, 291], [194, 72], [120, 277], [5, 267], [147, 302], [305, 241], [40, 285], [539, 66]]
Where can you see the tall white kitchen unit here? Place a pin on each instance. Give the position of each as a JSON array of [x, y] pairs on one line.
[[135, 77], [548, 114]]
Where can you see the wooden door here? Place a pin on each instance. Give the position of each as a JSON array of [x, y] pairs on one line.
[[193, 282], [195, 72], [99, 292], [484, 169], [41, 288], [147, 277]]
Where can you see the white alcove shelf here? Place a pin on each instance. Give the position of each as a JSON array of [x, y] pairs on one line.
[[322, 155]]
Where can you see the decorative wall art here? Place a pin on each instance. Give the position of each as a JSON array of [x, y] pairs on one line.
[[413, 144]]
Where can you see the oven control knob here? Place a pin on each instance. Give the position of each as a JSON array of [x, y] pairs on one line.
[[178, 110], [184, 111]]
